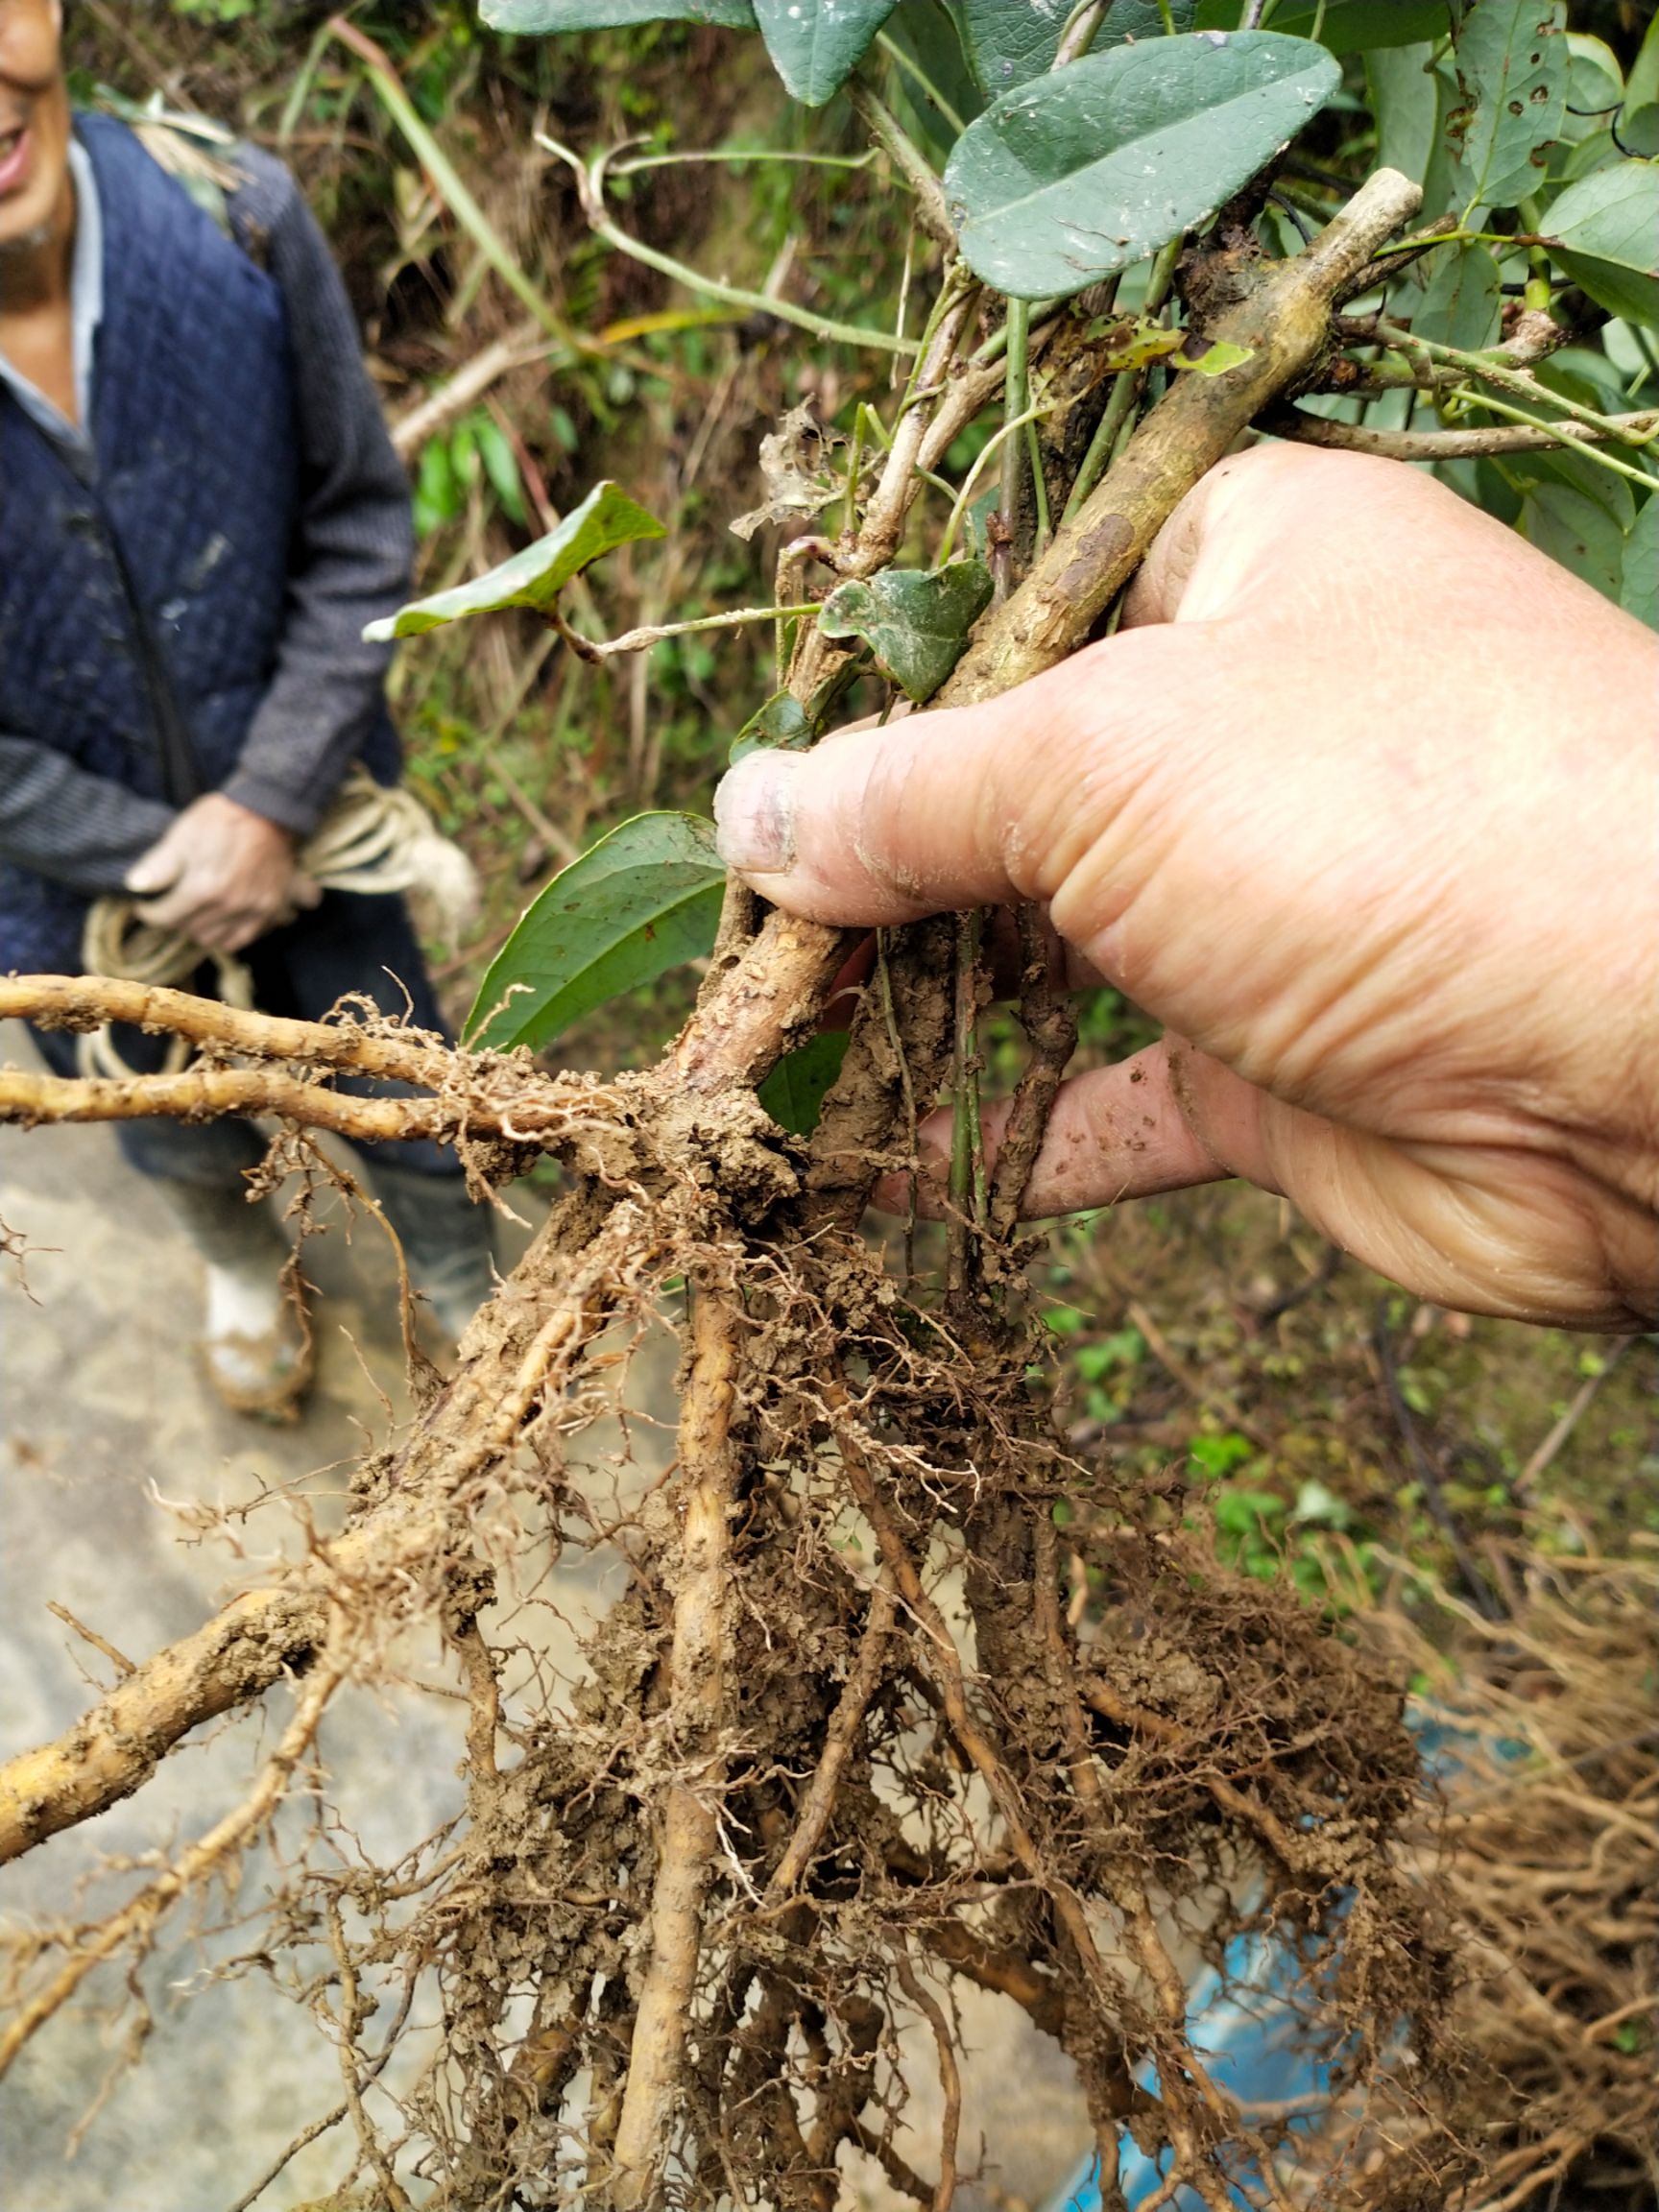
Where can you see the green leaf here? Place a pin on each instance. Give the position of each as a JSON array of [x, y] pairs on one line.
[[1405, 102], [501, 467], [542, 18], [1135, 341], [782, 723], [1607, 229], [1642, 85], [927, 35], [438, 497], [642, 901], [795, 1091], [1078, 173], [1576, 531], [535, 577], [1464, 300], [1640, 595], [1009, 41], [1347, 26], [1512, 66], [915, 620], [815, 45]]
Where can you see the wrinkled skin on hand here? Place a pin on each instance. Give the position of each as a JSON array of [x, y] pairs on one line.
[[1363, 804], [221, 873]]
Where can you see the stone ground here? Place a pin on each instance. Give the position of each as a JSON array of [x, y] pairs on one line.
[[105, 1434]]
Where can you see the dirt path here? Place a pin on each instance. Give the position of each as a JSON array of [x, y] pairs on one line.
[[101, 1419]]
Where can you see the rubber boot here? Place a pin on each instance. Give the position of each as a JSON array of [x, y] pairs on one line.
[[446, 1240], [256, 1352]]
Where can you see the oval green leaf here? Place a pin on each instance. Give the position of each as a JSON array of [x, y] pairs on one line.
[[640, 902], [1078, 173], [915, 620], [815, 45], [535, 577], [1607, 229], [543, 18]]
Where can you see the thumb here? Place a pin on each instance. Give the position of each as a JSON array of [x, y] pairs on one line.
[[154, 871], [964, 806]]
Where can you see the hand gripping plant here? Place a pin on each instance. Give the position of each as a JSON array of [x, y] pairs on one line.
[[862, 1731]]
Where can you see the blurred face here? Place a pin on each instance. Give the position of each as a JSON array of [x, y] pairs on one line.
[[33, 120]]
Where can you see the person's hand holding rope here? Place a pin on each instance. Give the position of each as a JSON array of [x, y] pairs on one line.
[[1364, 805], [222, 875]]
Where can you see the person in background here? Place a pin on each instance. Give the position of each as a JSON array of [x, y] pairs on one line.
[[199, 510]]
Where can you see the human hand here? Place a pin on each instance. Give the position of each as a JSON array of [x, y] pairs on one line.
[[221, 873], [1362, 805]]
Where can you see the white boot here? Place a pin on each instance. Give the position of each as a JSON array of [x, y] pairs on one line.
[[258, 1354], [256, 1351]]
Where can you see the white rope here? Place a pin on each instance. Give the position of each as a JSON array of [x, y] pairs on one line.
[[371, 839]]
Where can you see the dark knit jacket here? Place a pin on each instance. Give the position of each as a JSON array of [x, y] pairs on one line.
[[181, 604]]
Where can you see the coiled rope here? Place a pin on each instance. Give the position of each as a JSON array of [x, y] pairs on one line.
[[373, 839]]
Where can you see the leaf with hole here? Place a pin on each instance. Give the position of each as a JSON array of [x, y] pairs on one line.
[[1512, 67], [535, 577], [815, 45], [642, 901], [1133, 342], [1080, 172], [543, 19], [795, 1091], [1607, 233], [915, 620]]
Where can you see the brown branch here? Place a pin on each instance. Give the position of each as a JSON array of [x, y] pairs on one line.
[[117, 1659], [1101, 1697], [949, 2081], [89, 1001], [137, 1918], [839, 1742], [206, 1094], [897, 2169], [939, 1646], [1005, 1973], [768, 1001], [698, 1668], [1444, 445], [115, 1746], [931, 213], [1048, 1014], [1285, 323], [350, 2022]]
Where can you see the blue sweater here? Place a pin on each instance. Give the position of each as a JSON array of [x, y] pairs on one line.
[[182, 596]]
